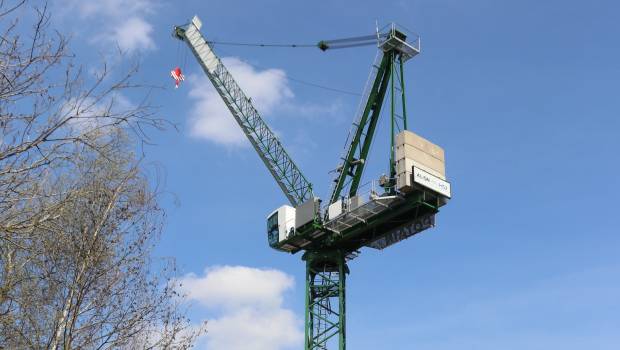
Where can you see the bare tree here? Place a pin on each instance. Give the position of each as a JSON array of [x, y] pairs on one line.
[[78, 213]]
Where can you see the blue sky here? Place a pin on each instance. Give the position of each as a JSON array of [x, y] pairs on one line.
[[523, 96]]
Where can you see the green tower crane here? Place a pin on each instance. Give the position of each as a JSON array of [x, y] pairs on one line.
[[403, 204]]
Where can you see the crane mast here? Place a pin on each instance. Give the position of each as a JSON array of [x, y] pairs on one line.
[[286, 173]]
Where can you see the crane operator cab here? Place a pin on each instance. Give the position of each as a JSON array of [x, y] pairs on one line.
[[280, 225]]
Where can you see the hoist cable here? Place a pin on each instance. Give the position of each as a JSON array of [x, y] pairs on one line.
[[185, 59], [299, 81], [176, 56], [323, 87]]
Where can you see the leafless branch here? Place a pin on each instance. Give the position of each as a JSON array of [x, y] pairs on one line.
[[78, 213]]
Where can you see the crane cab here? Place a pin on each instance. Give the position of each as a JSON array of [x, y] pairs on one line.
[[280, 225]]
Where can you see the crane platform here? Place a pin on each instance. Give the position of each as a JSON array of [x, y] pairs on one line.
[[378, 223]]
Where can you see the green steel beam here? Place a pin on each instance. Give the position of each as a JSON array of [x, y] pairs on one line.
[[395, 127], [354, 161], [402, 91], [392, 121], [369, 135]]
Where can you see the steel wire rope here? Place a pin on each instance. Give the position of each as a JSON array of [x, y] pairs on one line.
[[231, 43], [345, 42], [297, 80]]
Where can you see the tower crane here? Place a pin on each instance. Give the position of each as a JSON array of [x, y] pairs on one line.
[[403, 203]]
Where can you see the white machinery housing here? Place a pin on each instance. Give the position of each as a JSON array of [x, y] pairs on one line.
[[280, 225]]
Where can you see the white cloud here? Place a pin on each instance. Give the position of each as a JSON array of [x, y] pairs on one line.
[[248, 302], [117, 8], [133, 34], [249, 329], [209, 116], [121, 22], [234, 286], [269, 90]]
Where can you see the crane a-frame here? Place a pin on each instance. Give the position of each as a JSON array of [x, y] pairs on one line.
[[409, 198]]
